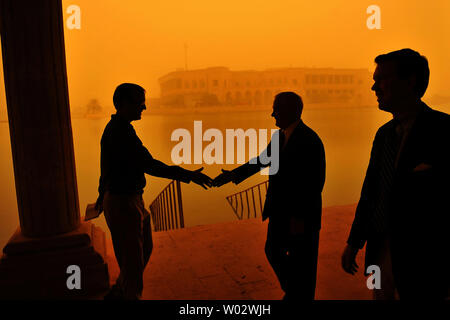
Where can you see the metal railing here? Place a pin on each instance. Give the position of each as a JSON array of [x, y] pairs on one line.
[[167, 209], [240, 201]]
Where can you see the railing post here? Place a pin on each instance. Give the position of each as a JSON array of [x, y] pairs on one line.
[[253, 200], [240, 203], [166, 217], [180, 204], [260, 199], [248, 205], [174, 218], [167, 208]]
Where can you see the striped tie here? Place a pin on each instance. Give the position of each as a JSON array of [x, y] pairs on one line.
[[282, 139], [380, 217]]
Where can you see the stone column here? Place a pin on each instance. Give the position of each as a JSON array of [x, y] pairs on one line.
[[50, 237], [39, 116]]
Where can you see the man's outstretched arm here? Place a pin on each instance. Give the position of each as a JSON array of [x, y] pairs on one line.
[[244, 171], [160, 169]]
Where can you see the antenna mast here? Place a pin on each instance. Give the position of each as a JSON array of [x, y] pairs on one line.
[[185, 57]]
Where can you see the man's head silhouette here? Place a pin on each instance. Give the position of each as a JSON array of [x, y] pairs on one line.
[[401, 79], [129, 101], [287, 108]]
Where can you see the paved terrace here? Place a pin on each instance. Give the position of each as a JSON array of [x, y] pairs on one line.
[[227, 261]]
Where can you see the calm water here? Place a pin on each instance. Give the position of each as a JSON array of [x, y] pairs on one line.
[[346, 133]]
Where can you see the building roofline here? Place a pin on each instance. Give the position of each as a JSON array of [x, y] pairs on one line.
[[182, 71]]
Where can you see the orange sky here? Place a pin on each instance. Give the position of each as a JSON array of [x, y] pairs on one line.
[[140, 40]]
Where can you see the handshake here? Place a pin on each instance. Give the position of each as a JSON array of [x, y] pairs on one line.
[[204, 181]]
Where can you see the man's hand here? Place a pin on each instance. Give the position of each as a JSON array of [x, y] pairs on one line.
[[349, 260], [200, 178], [99, 204], [223, 178], [296, 226]]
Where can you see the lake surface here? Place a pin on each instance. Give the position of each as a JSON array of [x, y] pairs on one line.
[[347, 135]]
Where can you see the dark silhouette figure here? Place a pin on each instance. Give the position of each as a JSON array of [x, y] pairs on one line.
[[124, 162], [403, 210], [294, 199]]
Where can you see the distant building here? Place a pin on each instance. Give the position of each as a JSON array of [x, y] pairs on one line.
[[221, 86]]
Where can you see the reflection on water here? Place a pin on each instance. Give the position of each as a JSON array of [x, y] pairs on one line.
[[347, 135]]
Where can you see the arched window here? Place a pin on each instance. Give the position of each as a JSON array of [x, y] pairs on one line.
[[258, 98], [268, 99], [248, 98], [238, 98], [228, 99]]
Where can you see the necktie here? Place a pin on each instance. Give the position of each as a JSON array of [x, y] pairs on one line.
[[386, 174], [282, 139]]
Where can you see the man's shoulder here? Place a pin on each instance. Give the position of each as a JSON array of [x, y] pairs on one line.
[[109, 130], [385, 127], [438, 117], [435, 125], [117, 127], [429, 118], [116, 133], [306, 132]]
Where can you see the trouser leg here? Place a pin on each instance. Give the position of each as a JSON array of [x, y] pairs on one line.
[[125, 220], [277, 258], [276, 252], [388, 288], [133, 265], [293, 259], [148, 241], [302, 266], [420, 269]]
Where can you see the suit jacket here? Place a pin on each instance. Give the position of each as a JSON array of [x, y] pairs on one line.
[[296, 188], [417, 213]]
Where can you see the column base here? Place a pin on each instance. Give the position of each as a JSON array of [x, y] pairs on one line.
[[36, 268]]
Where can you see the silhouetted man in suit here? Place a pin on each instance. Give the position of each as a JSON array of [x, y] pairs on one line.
[[124, 162], [294, 199], [403, 210]]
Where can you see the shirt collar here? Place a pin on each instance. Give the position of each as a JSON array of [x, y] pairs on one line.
[[288, 131], [118, 118], [404, 126]]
